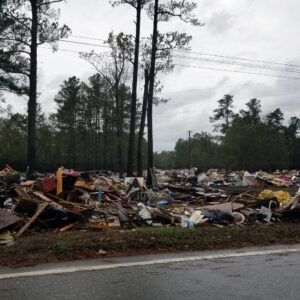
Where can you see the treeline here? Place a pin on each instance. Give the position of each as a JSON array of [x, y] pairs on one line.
[[88, 131], [248, 140]]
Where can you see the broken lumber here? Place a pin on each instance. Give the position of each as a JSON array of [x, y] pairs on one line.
[[32, 219]]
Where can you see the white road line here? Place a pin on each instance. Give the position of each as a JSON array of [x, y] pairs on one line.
[[144, 263]]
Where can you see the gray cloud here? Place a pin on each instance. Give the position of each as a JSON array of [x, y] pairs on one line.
[[261, 30], [220, 22]]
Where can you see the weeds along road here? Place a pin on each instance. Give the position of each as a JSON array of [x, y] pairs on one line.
[[252, 273]]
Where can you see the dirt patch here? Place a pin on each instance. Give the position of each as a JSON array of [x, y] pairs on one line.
[[77, 245]]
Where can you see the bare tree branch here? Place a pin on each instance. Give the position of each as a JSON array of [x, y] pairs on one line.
[[49, 2]]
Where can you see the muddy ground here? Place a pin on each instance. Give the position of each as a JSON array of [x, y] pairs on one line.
[[46, 247]]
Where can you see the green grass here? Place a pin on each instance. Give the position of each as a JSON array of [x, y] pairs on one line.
[[63, 248], [73, 244], [217, 238], [187, 238]]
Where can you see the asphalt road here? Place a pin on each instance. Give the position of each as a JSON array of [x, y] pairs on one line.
[[230, 274]]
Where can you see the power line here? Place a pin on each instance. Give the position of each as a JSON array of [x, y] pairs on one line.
[[203, 59], [238, 64], [236, 71], [213, 55], [61, 49], [87, 38], [223, 87], [83, 43], [232, 86], [199, 67], [239, 58]]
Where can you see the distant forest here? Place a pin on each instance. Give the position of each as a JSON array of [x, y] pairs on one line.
[[83, 134], [246, 140], [101, 123], [86, 132]]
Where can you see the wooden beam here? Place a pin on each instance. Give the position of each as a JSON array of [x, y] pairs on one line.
[[66, 227], [45, 198], [79, 206], [32, 219]]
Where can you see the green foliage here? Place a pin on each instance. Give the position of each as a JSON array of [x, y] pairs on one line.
[[81, 134], [252, 115], [89, 121], [204, 152], [15, 39], [293, 142], [13, 140], [223, 113], [254, 147], [184, 10], [63, 248], [181, 153], [275, 118], [133, 3], [18, 17], [165, 159], [13, 66], [249, 142]]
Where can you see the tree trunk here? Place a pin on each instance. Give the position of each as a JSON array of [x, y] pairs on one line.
[[32, 103], [118, 127], [134, 90], [142, 126], [122, 100], [89, 133], [151, 93], [74, 142], [105, 133]]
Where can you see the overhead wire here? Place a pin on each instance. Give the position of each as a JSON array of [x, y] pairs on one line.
[[203, 67], [237, 71], [87, 38], [237, 64], [239, 58], [83, 43], [207, 60], [211, 54]]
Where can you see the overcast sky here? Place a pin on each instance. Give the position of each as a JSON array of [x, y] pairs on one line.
[[254, 29]]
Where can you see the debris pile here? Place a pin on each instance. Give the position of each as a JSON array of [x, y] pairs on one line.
[[99, 200]]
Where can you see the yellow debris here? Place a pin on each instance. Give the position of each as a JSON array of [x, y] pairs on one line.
[[59, 180], [279, 183], [282, 197]]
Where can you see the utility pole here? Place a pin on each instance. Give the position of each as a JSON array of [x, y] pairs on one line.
[[190, 150], [151, 91]]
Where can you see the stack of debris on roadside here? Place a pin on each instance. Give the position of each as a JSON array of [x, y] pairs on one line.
[[99, 200]]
